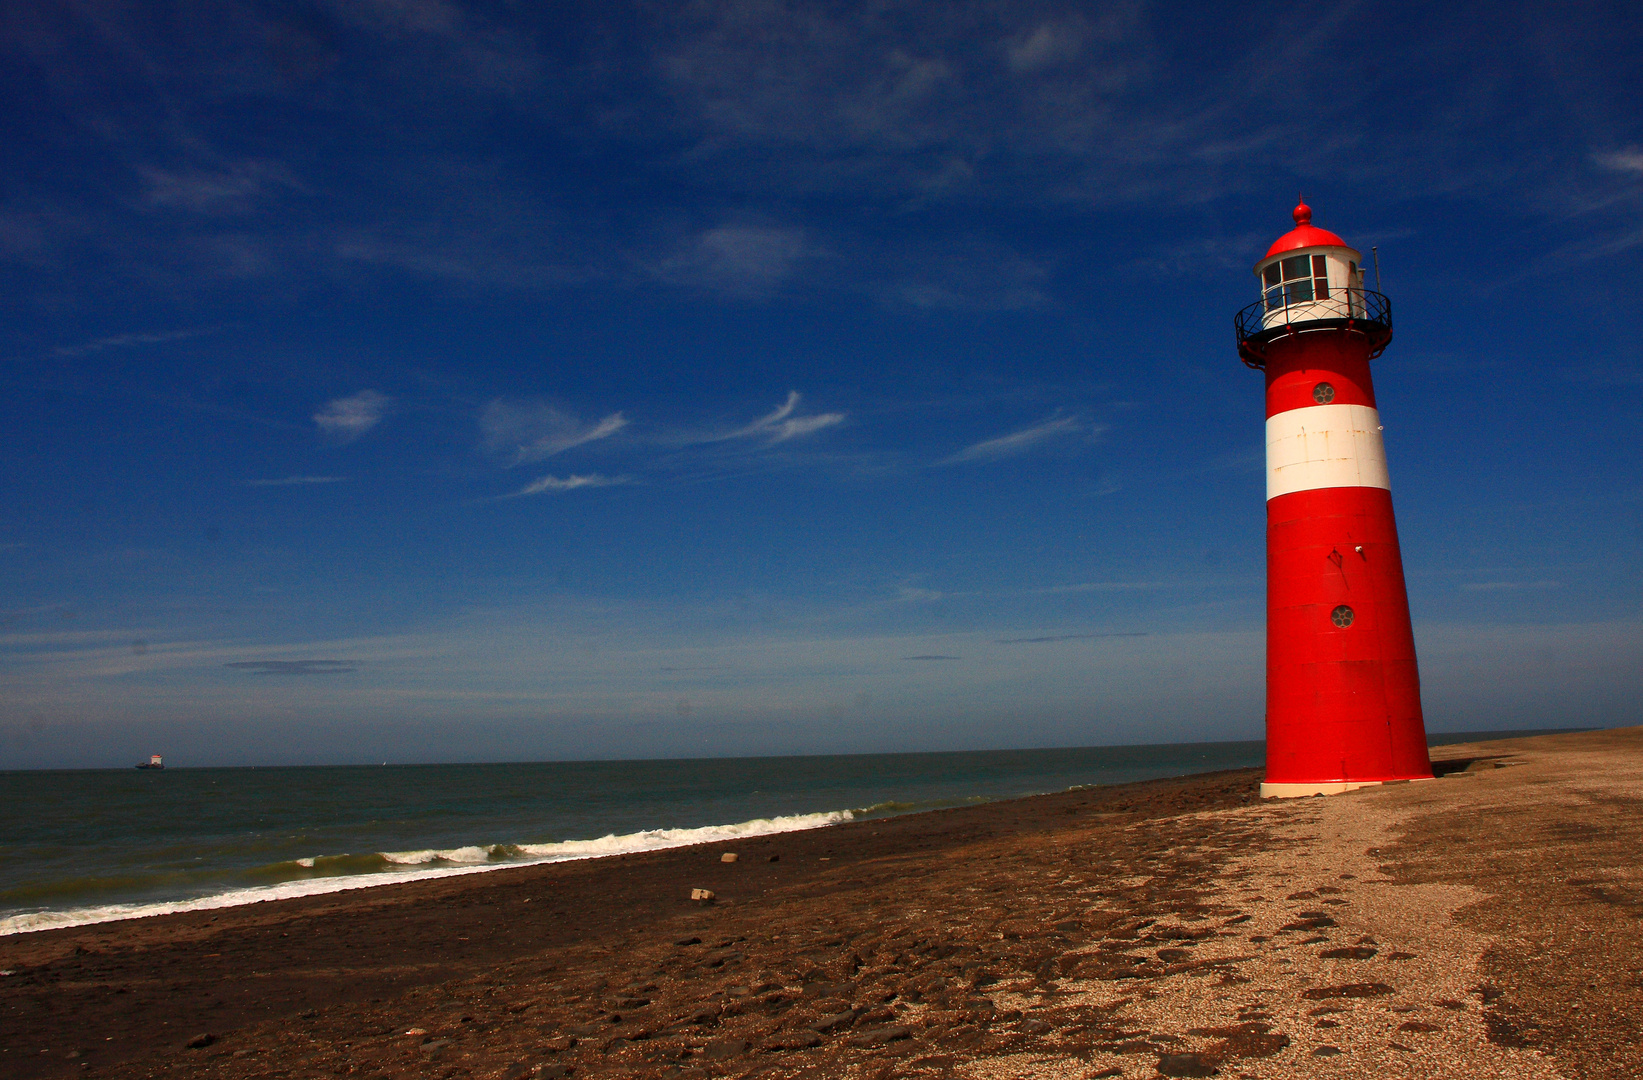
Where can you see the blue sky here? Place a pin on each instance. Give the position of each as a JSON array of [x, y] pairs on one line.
[[412, 380]]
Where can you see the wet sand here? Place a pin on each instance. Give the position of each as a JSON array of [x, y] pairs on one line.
[[1488, 923]]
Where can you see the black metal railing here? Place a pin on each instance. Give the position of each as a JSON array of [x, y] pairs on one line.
[[1359, 311]]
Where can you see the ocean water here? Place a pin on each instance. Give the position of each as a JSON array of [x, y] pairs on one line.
[[90, 846]]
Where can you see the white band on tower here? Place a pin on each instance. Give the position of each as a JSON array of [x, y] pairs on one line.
[[1324, 446]]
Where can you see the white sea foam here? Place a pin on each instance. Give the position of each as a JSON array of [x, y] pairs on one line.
[[456, 862], [460, 856]]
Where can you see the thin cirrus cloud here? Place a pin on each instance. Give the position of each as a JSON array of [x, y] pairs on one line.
[[746, 260], [1050, 638], [780, 424], [526, 431], [294, 667], [556, 484], [123, 341], [1020, 442], [1049, 44], [295, 481], [1628, 160], [1095, 586], [347, 418]]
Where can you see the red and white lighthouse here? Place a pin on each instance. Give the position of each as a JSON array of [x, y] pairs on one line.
[[1343, 705]]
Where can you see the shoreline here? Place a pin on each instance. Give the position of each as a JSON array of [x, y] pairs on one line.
[[400, 867], [34, 922], [1127, 928]]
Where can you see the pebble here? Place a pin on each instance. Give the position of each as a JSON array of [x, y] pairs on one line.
[[879, 1036], [1348, 990], [1185, 1065], [828, 1023], [724, 1049], [793, 1040]]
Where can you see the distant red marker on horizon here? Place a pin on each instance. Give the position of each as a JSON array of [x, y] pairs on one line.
[[1343, 689]]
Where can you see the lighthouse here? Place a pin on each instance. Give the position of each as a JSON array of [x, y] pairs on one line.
[[1343, 704]]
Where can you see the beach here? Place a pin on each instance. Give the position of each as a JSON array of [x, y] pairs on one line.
[[1486, 923]]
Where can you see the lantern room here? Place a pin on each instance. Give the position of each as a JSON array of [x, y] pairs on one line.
[[1309, 273], [1311, 282]]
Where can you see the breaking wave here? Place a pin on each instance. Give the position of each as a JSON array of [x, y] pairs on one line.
[[319, 874]]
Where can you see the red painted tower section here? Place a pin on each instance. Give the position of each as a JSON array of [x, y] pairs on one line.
[[1343, 688]]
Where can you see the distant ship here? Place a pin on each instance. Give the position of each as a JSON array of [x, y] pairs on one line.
[[153, 762]]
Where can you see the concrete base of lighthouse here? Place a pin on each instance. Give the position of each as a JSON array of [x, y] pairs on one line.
[[1339, 787]]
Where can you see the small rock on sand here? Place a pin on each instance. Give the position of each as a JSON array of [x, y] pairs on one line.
[[724, 1049], [879, 1036], [1350, 990], [828, 1023], [793, 1040], [702, 896], [1185, 1065], [729, 856]]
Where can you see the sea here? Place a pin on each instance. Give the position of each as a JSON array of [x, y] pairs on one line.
[[97, 845]]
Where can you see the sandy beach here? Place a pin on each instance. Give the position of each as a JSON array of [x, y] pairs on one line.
[[1488, 923]]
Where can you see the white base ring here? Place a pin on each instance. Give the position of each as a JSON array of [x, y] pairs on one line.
[[1339, 787]]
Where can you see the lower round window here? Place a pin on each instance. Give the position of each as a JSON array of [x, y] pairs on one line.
[[1323, 393], [1341, 616]]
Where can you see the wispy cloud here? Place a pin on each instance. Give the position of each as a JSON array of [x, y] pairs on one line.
[[555, 484], [126, 341], [295, 667], [1095, 586], [1048, 44], [7, 617], [1628, 160], [296, 481], [1062, 637], [232, 191], [347, 418], [749, 260], [780, 424], [932, 656], [1020, 442], [528, 431]]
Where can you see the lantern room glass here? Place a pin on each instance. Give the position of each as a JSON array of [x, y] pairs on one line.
[[1299, 279]]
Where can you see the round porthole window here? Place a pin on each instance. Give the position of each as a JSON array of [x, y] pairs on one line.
[[1341, 616], [1323, 393]]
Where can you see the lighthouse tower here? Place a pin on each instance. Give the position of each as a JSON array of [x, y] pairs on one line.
[[1343, 705]]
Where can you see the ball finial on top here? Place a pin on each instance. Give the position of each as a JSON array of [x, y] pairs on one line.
[[1303, 213]]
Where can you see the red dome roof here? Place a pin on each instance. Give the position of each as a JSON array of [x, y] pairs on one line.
[[1304, 235]]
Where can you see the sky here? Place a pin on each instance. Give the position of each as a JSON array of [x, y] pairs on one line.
[[414, 380]]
